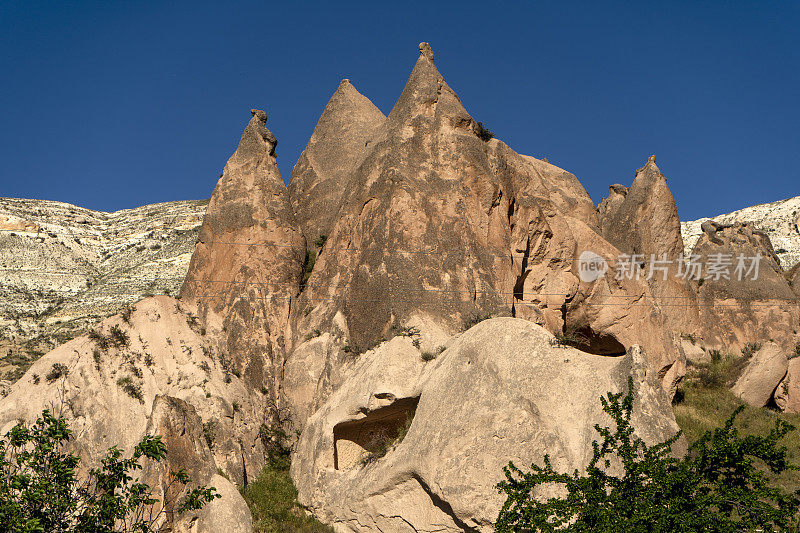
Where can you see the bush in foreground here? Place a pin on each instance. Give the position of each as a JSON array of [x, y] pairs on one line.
[[40, 491], [720, 485]]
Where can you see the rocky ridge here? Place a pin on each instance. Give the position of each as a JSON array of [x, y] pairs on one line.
[[64, 267], [780, 220]]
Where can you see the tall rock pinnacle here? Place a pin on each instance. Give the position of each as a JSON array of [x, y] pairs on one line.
[[323, 172]]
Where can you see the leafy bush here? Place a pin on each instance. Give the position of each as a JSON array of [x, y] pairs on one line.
[[40, 490], [475, 319], [56, 371], [483, 133], [719, 485], [567, 338], [428, 356], [320, 241], [134, 390], [750, 348]]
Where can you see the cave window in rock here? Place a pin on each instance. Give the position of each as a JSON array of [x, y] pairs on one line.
[[357, 441]]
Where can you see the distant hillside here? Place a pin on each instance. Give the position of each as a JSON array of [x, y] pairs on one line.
[[63, 267]]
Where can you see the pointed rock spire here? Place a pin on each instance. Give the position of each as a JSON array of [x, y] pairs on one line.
[[426, 51], [323, 171]]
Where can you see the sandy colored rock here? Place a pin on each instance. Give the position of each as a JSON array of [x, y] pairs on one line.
[[168, 379], [322, 174], [440, 226], [762, 375], [642, 221], [499, 392], [740, 310], [245, 273], [779, 220], [695, 354], [787, 394]]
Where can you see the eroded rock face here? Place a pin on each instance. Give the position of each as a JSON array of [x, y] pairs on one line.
[[246, 268], [499, 392], [736, 311], [762, 375], [779, 220], [643, 220], [439, 226], [323, 172], [169, 379]]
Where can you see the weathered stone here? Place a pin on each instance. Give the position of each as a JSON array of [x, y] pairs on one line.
[[500, 392], [740, 309], [762, 375], [642, 221], [439, 226], [787, 394], [323, 172], [166, 374], [245, 273], [780, 220]]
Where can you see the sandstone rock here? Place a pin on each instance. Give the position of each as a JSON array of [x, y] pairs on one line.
[[499, 392], [694, 353], [323, 172], [778, 219], [793, 276], [245, 273], [64, 268], [159, 382], [737, 311], [762, 375], [644, 221], [439, 226], [787, 394]]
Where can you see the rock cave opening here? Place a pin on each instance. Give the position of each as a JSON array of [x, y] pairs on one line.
[[359, 441]]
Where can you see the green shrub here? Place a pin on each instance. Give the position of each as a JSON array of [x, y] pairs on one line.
[[132, 389], [41, 491], [720, 485], [428, 356], [272, 498], [320, 241], [750, 348], [567, 338], [56, 371], [475, 319], [126, 314], [483, 133]]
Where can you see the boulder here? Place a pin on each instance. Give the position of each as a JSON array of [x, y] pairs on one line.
[[787, 394], [761, 376], [694, 353], [499, 392]]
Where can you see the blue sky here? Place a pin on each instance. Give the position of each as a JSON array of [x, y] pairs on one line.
[[111, 105]]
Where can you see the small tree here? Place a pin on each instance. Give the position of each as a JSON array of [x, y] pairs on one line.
[[717, 486], [40, 490]]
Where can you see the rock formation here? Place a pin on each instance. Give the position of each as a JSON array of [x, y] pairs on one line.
[[779, 220], [244, 275], [322, 174], [642, 221], [438, 225], [739, 305], [166, 378], [63, 268], [761, 377], [499, 392]]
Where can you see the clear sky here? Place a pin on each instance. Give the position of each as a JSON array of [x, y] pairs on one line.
[[111, 105]]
